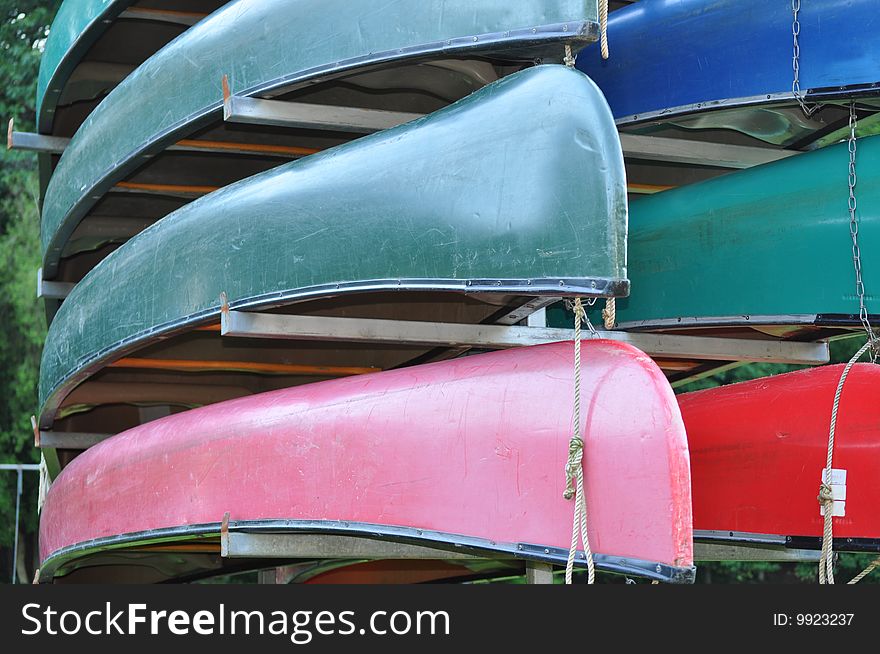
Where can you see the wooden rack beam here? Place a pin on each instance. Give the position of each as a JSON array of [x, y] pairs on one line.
[[188, 365]]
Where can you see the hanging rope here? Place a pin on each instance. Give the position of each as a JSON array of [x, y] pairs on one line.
[[609, 313], [603, 27], [574, 469], [864, 573], [568, 60], [826, 496]]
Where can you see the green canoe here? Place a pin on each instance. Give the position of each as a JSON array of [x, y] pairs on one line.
[[760, 253], [442, 218], [94, 44], [283, 50]]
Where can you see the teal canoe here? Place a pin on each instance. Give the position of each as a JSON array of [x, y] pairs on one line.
[[177, 93], [442, 218], [765, 252]]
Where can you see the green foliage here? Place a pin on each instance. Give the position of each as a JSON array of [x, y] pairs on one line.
[[23, 29]]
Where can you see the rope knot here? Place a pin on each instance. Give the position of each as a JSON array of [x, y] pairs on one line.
[[826, 495], [573, 465]]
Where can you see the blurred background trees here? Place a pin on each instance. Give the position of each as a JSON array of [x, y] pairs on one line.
[[23, 30]]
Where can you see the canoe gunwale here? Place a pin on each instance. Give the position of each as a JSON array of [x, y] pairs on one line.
[[814, 319], [788, 541], [523, 44], [406, 535], [596, 287], [830, 94], [47, 101]]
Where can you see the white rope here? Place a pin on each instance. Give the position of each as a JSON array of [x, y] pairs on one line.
[[609, 313], [568, 60], [826, 496], [603, 27], [574, 469]]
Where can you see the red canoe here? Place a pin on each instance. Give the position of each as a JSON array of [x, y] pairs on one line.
[[467, 454], [757, 453]]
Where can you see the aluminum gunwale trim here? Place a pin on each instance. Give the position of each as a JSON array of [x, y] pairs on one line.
[[784, 97], [84, 368], [793, 542], [727, 321], [441, 541]]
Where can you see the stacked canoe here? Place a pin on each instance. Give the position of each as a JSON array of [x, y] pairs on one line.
[[433, 165]]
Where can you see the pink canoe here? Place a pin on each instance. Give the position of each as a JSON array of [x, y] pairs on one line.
[[464, 455], [757, 453]]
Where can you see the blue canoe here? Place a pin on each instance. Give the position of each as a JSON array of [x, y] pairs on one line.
[[679, 68]]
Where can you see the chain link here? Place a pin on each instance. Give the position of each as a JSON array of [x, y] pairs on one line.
[[852, 144], [808, 109]]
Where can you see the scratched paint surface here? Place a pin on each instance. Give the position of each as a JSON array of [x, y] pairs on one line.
[[520, 181], [260, 45], [474, 446], [758, 449], [670, 54]]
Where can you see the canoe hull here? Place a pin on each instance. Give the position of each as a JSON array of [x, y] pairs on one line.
[[736, 58], [466, 453], [183, 80], [368, 217], [757, 453]]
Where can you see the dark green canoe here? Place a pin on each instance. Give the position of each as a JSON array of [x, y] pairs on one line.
[[276, 48], [764, 252], [94, 44], [466, 215]]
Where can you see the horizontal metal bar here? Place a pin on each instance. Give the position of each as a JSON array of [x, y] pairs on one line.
[[321, 328], [324, 546], [188, 18], [31, 467], [33, 142], [28, 141], [52, 290], [68, 440], [720, 155], [299, 115], [719, 552]]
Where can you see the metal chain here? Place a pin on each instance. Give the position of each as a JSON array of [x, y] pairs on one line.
[[854, 234], [808, 109]]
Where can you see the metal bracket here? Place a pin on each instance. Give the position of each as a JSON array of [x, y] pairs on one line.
[[299, 115], [321, 328], [722, 552], [68, 440], [33, 142], [539, 573], [52, 290], [245, 545]]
